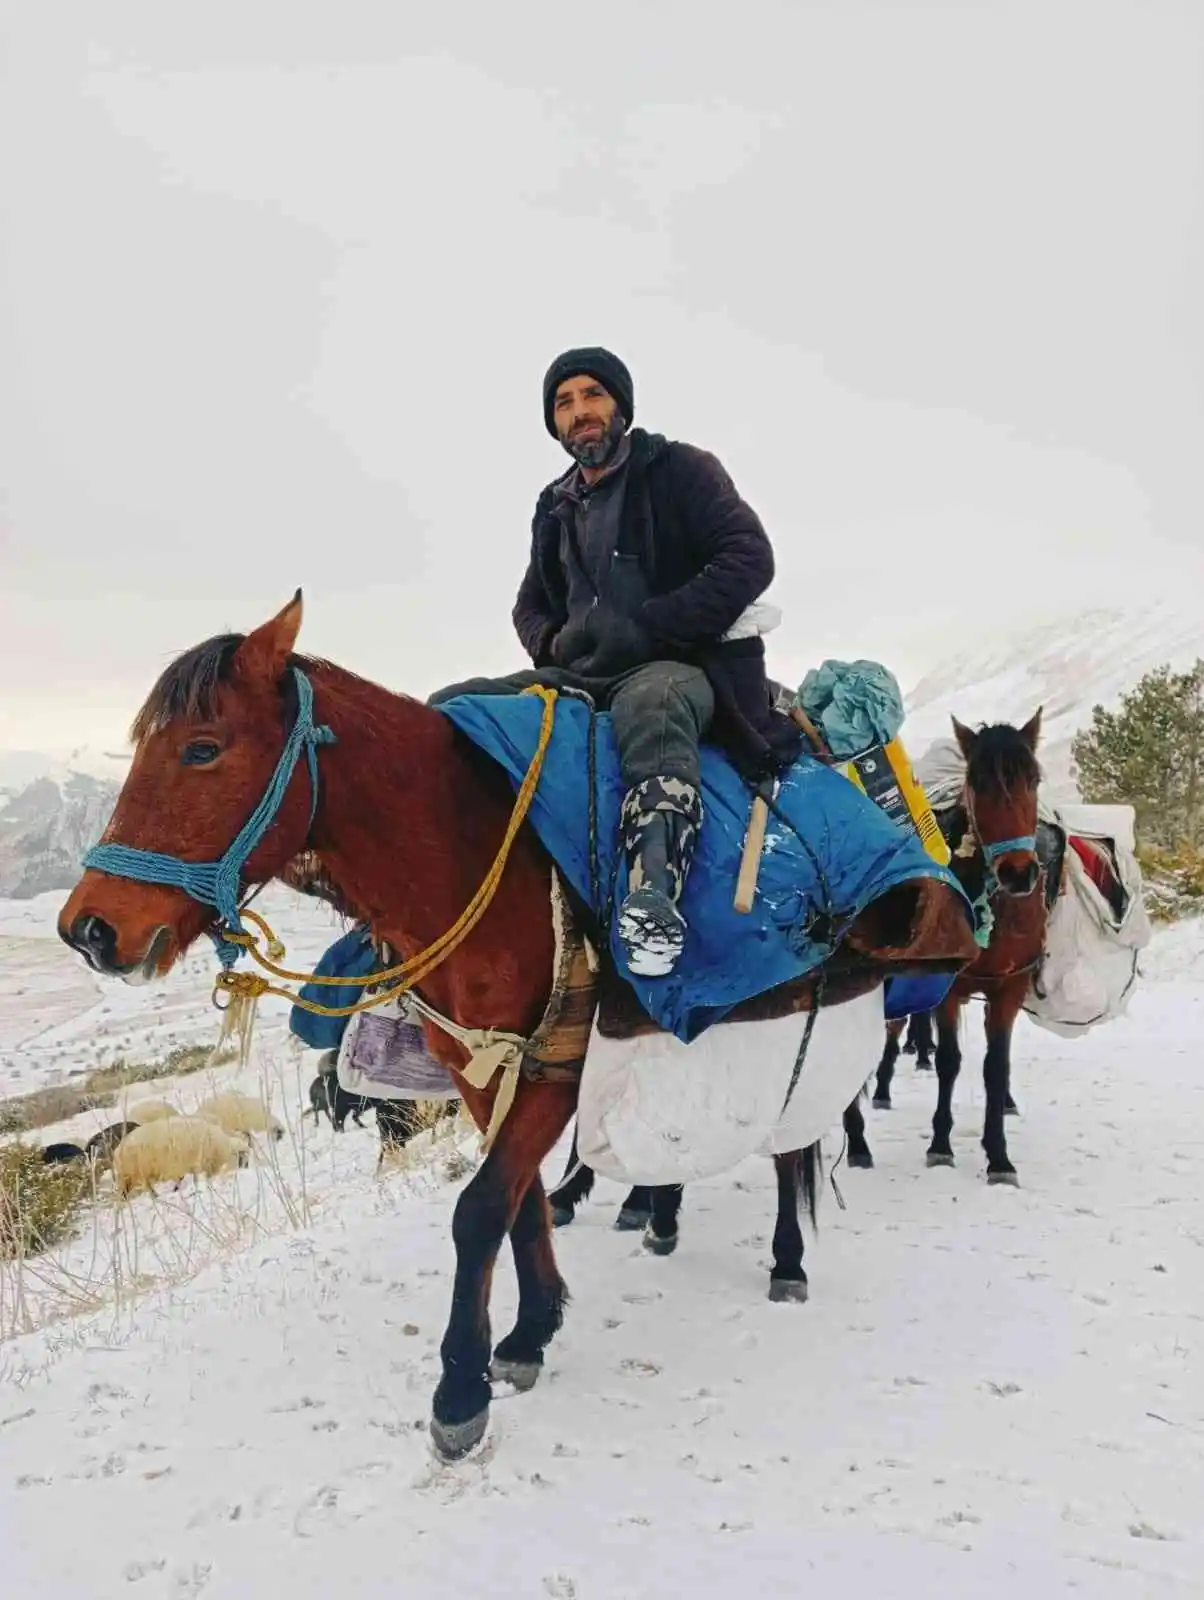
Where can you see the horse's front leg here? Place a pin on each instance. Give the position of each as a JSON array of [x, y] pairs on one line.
[[920, 1028], [1002, 1011], [886, 1067], [636, 1211], [488, 1208], [860, 1154], [787, 1279], [660, 1236], [948, 1065], [518, 1359]]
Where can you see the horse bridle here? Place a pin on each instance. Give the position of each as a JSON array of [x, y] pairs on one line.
[[984, 914], [218, 883]]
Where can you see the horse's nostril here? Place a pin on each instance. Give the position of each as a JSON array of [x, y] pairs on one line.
[[95, 938], [1019, 880]]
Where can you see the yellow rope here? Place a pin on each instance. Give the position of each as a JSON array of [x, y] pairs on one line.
[[249, 985]]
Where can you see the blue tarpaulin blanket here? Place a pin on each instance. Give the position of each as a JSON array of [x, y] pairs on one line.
[[835, 853]]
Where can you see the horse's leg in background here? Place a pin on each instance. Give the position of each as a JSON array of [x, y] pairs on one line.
[[636, 1211], [660, 1236], [787, 1279], [1003, 1007], [485, 1212], [541, 1293], [920, 1027], [948, 1065], [574, 1187], [860, 1154], [886, 1067]]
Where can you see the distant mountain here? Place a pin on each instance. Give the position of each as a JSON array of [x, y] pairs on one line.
[[1069, 666], [19, 768], [46, 827]]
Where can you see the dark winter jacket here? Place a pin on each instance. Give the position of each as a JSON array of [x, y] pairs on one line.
[[702, 556]]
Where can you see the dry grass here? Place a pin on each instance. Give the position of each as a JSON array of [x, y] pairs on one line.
[[114, 1254], [39, 1204]]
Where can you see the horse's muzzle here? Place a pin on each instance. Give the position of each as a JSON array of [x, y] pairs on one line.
[[96, 940], [1018, 880]]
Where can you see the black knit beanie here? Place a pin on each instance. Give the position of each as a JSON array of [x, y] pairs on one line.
[[596, 363]]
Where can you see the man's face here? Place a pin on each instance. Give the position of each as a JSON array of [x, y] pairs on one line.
[[588, 422]]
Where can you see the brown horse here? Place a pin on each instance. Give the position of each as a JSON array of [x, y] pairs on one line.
[[406, 823], [993, 835]]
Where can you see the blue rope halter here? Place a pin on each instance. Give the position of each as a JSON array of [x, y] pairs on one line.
[[984, 912], [217, 883]]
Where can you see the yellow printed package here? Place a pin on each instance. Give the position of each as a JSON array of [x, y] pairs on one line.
[[884, 773]]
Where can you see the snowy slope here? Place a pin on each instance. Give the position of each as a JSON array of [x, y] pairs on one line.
[[1069, 666], [58, 1019], [991, 1391]]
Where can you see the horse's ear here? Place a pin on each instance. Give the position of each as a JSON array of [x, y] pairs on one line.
[[263, 655], [964, 737], [1031, 730]]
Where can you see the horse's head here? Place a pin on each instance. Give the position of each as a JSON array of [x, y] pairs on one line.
[[207, 742], [1002, 776]]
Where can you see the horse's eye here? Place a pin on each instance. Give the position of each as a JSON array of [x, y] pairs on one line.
[[200, 753]]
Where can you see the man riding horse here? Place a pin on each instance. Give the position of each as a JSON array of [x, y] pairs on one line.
[[643, 559]]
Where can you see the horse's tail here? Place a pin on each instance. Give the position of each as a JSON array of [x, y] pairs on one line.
[[811, 1176]]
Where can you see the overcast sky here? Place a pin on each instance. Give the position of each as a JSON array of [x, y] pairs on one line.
[[279, 282]]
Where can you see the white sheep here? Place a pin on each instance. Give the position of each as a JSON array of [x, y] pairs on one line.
[[167, 1151], [143, 1111], [240, 1113]]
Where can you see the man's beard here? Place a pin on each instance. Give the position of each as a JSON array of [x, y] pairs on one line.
[[597, 452]]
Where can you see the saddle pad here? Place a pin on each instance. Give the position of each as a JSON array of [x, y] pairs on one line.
[[829, 853], [654, 1110]]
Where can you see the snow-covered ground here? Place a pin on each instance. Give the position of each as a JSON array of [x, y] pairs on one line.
[[58, 1020], [990, 1392]]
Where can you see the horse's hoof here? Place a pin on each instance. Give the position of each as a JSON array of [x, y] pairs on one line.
[[923, 1066], [1009, 1178], [936, 1159], [523, 1375], [658, 1245], [454, 1440], [882, 1102], [1011, 1109], [561, 1216], [629, 1221], [784, 1290], [861, 1158]]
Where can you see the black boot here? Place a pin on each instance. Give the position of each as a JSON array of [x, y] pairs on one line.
[[660, 820]]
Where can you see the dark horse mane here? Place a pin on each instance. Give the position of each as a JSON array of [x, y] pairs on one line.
[[187, 688], [1002, 761]]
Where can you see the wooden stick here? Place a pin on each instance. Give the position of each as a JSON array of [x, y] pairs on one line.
[[750, 860], [818, 743]]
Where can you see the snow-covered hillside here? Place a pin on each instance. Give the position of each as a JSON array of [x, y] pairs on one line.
[[46, 828], [53, 807], [1069, 666]]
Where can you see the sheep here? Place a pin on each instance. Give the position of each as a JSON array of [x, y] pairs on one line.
[[240, 1113], [56, 1154], [167, 1151], [101, 1146], [143, 1111]]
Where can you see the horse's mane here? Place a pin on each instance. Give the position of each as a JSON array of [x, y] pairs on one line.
[[186, 690], [1001, 761]]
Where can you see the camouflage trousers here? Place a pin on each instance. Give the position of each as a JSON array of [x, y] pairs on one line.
[[660, 713]]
